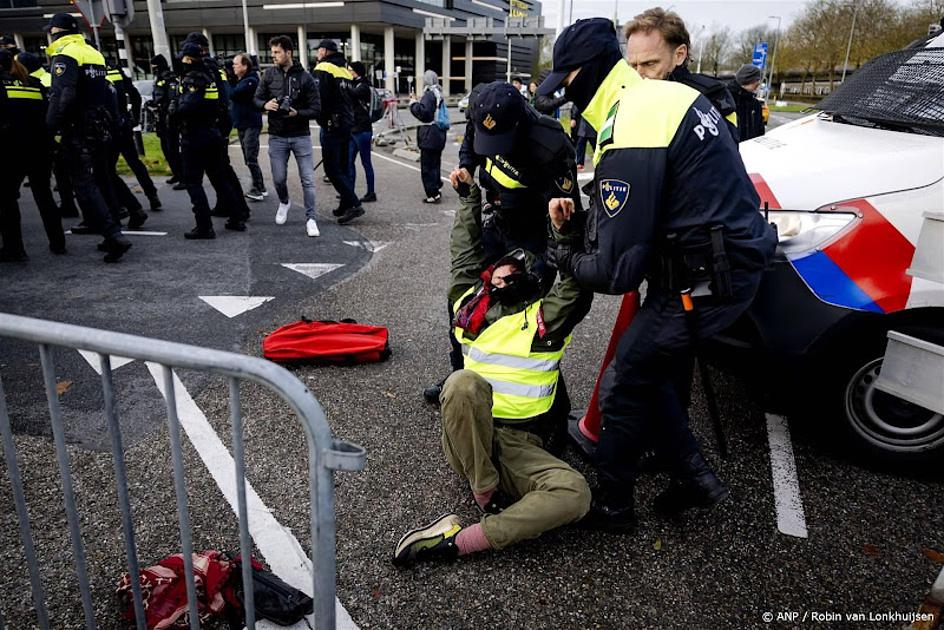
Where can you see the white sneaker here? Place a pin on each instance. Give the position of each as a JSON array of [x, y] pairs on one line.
[[281, 215], [312, 228]]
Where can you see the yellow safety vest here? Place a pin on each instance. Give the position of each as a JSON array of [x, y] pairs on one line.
[[74, 46], [336, 71], [523, 382], [44, 77], [503, 172], [23, 92]]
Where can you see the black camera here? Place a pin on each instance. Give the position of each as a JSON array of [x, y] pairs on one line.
[[285, 105]]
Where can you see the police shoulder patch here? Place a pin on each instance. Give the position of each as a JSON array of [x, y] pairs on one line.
[[614, 193], [566, 184], [58, 68]]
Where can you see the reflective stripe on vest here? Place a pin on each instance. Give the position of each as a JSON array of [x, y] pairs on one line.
[[211, 93], [336, 71], [496, 169], [30, 93], [114, 75], [523, 382]]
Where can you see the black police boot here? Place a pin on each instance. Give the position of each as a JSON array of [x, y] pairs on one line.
[[173, 179], [339, 211], [137, 219], [369, 197], [219, 213], [117, 246], [199, 233], [155, 202], [695, 486], [83, 228], [58, 248], [350, 215], [607, 514], [235, 225]]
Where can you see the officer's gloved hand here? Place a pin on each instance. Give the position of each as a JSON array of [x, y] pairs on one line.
[[560, 254]]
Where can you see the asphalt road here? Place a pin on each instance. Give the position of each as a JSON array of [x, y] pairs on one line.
[[868, 532]]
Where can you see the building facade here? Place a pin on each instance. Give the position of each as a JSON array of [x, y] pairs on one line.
[[386, 35]]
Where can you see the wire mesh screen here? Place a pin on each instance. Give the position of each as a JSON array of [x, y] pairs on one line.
[[902, 89]]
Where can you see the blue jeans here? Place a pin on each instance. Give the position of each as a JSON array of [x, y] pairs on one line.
[[360, 145], [279, 149]]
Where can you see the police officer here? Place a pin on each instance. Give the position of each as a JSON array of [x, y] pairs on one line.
[[674, 205], [123, 125], [197, 111], [523, 159], [166, 84], [23, 125], [337, 124], [129, 116], [79, 104]]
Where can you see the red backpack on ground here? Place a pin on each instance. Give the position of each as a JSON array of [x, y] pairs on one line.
[[337, 343]]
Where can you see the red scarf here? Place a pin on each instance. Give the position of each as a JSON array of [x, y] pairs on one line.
[[471, 316]]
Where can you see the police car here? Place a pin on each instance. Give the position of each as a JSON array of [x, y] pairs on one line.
[[857, 193]]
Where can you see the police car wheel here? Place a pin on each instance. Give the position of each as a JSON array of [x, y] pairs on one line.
[[884, 428]]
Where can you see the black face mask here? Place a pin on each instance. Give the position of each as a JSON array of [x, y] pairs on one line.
[[520, 288], [581, 90]]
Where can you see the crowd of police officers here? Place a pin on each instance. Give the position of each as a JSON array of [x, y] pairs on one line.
[[670, 204]]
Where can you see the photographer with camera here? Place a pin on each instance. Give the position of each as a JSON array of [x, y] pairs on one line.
[[290, 98]]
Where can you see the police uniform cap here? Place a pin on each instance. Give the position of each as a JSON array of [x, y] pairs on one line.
[[199, 38], [328, 44], [6, 40], [29, 60], [579, 43], [191, 49], [496, 111], [64, 21]]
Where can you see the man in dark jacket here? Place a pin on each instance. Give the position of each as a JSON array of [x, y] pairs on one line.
[[430, 138], [363, 129], [337, 122], [290, 98], [248, 121], [750, 115], [165, 88]]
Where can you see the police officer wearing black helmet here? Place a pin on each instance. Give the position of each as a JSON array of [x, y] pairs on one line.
[[197, 111], [672, 204], [80, 106], [524, 159]]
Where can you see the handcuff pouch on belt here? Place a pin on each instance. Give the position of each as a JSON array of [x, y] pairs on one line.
[[699, 265]]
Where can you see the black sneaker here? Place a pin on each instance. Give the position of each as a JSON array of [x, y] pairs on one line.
[[117, 246], [137, 220], [155, 202], [236, 226], [436, 541], [369, 197], [704, 491], [173, 179], [255, 195], [83, 228], [198, 234], [179, 186], [433, 199], [350, 215], [338, 212], [432, 393]]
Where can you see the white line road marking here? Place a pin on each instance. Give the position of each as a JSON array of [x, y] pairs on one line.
[[126, 233], [404, 164], [312, 270], [787, 498], [92, 359], [233, 305], [278, 545], [371, 246]]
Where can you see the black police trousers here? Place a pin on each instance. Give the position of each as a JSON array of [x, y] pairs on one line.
[[203, 151], [335, 154], [169, 136], [125, 147], [34, 162], [645, 389], [89, 170]]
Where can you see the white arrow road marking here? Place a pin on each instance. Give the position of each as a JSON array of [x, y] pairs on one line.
[[277, 544], [787, 498], [127, 233], [312, 270], [371, 246], [233, 305], [92, 359], [449, 213]]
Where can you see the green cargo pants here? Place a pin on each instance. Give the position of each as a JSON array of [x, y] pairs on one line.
[[549, 493]]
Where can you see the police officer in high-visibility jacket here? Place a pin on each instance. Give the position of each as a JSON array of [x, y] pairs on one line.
[[23, 126], [337, 123], [672, 204], [80, 105], [500, 412], [197, 111]]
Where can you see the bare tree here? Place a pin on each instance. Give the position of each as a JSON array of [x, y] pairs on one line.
[[715, 49]]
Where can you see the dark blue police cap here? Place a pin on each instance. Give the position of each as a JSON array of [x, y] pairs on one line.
[[190, 49], [496, 111], [64, 21], [577, 44], [198, 38]]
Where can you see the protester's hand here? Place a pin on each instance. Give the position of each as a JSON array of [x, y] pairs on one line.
[[272, 105], [459, 175], [292, 112], [560, 210], [573, 123]]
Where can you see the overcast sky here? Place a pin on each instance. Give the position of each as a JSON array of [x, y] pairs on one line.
[[738, 14]]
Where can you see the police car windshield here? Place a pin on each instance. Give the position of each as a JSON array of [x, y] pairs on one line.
[[901, 90]]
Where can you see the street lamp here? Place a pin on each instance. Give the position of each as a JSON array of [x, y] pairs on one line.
[[845, 64], [701, 47], [773, 57]]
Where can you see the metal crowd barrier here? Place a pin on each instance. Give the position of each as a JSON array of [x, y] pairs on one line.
[[325, 455]]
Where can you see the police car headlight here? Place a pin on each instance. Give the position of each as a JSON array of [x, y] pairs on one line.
[[801, 231]]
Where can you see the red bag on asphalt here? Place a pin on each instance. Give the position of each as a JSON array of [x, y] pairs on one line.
[[337, 343]]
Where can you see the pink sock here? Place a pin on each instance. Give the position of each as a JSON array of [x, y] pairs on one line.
[[472, 539], [484, 498]]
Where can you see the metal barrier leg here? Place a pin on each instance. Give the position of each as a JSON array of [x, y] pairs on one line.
[[323, 541], [19, 500], [180, 488], [245, 545], [72, 514], [121, 480]]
